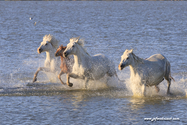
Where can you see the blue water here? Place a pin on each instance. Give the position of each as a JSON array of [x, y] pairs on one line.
[[108, 28]]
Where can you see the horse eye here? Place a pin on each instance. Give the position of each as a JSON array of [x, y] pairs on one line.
[[127, 57], [46, 44], [73, 46]]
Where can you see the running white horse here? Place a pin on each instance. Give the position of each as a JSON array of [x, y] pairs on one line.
[[151, 71], [52, 64], [85, 66]]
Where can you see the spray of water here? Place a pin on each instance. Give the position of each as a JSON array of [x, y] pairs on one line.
[[17, 82]]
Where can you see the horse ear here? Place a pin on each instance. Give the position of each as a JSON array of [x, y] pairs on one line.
[[131, 50], [60, 46], [77, 39]]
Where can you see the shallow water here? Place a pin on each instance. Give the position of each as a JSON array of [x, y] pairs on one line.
[[108, 28]]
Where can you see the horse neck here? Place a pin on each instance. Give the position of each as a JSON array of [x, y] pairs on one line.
[[133, 70], [81, 57], [134, 65], [62, 59], [50, 54]]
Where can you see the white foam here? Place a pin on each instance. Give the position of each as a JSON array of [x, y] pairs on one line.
[[23, 75]]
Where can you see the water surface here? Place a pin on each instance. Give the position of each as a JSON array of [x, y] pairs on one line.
[[108, 28]]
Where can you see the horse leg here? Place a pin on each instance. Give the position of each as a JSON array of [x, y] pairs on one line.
[[144, 90], [68, 78], [157, 83], [40, 69], [86, 82], [68, 83], [168, 77], [168, 90], [157, 88], [59, 77], [35, 75], [73, 76]]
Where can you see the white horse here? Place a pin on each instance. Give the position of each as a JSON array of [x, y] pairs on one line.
[[151, 71], [85, 66], [48, 45]]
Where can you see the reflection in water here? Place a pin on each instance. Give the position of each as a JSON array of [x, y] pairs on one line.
[[77, 99], [136, 103]]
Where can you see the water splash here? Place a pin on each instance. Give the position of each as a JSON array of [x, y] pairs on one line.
[[16, 83]]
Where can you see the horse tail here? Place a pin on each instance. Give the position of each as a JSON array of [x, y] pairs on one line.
[[172, 78], [168, 70], [118, 77]]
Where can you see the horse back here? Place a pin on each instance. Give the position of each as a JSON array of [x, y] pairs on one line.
[[107, 64], [156, 58], [102, 59], [157, 62]]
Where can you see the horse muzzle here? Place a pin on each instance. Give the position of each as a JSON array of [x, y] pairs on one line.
[[121, 66], [39, 50], [65, 54], [56, 54]]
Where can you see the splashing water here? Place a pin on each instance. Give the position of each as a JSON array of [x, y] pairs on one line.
[[16, 82]]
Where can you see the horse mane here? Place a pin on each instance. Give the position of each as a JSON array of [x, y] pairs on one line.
[[61, 47], [137, 59], [79, 42], [50, 38]]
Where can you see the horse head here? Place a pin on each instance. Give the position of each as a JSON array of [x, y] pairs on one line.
[[72, 47], [49, 42], [126, 59], [60, 51], [45, 46]]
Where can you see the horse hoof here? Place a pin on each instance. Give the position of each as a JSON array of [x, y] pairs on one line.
[[70, 84], [34, 80]]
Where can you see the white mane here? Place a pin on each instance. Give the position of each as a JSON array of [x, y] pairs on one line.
[[77, 40], [137, 59], [50, 38]]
